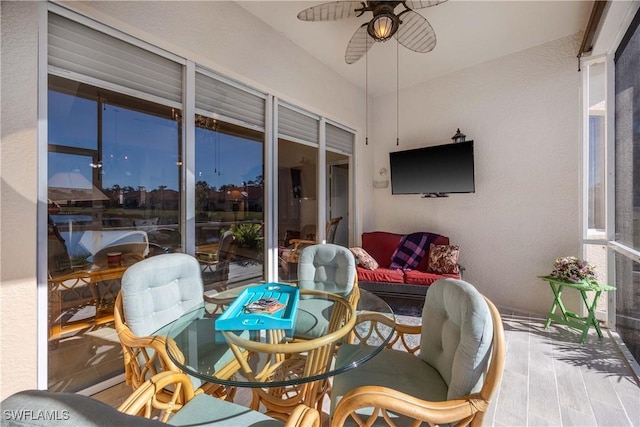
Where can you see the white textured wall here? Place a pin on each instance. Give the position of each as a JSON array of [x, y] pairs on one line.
[[523, 112], [18, 196]]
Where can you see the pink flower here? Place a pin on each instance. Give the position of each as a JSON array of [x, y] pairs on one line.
[[573, 269]]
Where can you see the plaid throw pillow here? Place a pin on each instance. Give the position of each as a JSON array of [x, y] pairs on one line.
[[411, 250]]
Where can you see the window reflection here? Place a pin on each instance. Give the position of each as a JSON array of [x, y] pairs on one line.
[[297, 201], [114, 198], [229, 199], [596, 151], [338, 195]]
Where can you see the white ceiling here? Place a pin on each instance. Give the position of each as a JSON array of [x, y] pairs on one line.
[[468, 33]]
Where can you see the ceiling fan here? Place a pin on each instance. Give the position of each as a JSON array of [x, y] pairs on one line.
[[410, 28]]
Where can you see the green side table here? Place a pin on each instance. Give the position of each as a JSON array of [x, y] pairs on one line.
[[568, 318]]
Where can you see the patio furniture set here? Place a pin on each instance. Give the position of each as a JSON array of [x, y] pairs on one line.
[[185, 357]]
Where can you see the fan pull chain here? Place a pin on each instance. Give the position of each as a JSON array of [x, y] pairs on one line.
[[366, 97], [397, 92]]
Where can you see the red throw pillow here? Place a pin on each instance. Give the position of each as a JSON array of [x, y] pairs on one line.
[[363, 258], [443, 259]]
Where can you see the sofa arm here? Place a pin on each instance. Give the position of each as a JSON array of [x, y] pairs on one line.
[[462, 269]]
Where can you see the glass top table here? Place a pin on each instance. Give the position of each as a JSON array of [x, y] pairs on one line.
[[256, 358]]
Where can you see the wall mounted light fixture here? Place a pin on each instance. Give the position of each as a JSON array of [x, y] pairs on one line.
[[382, 179], [459, 136]]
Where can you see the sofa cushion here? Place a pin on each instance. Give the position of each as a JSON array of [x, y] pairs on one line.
[[389, 368], [416, 277], [381, 245], [443, 259], [380, 275], [364, 259]]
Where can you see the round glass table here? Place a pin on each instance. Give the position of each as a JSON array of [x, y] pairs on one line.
[[266, 358]]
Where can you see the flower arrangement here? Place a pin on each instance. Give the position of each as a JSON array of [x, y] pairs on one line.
[[573, 269]]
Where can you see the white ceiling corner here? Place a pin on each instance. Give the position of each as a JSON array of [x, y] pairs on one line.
[[469, 32]]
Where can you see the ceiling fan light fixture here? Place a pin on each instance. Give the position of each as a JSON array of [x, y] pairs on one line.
[[383, 26]]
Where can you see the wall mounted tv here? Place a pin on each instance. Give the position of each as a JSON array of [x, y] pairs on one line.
[[433, 171]]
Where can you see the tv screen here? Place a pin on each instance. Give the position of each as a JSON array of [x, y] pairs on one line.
[[433, 171]]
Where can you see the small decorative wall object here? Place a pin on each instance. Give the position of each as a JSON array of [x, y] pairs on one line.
[[382, 179], [459, 136]]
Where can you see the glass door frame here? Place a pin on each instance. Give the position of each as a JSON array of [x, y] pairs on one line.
[[599, 239]]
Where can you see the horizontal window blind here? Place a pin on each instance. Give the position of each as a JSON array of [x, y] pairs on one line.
[[82, 50], [339, 139], [228, 101], [296, 126]]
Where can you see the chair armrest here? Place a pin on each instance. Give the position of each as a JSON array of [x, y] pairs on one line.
[[206, 257], [150, 397], [298, 242], [385, 399], [303, 416], [378, 321], [462, 269]]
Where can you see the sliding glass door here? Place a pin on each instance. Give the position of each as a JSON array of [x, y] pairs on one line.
[[149, 154], [114, 170]]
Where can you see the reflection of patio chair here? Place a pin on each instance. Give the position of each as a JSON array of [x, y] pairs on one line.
[[58, 258], [80, 299], [300, 244], [164, 240], [291, 254], [215, 266], [134, 245]]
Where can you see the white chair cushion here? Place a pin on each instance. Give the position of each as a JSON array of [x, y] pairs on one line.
[[456, 335], [327, 267], [160, 289]]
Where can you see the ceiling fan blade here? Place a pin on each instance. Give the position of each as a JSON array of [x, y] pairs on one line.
[[331, 11], [358, 46], [415, 33], [421, 4]]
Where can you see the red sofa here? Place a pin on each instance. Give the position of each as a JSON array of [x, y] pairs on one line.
[[398, 283]]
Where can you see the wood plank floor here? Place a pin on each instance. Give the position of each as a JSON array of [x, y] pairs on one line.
[[549, 379]]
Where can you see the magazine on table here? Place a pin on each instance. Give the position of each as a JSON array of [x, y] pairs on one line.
[[264, 305]]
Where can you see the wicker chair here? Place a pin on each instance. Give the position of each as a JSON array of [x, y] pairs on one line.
[[292, 358], [299, 244], [145, 407], [215, 266], [448, 378], [329, 268], [154, 293], [201, 409]]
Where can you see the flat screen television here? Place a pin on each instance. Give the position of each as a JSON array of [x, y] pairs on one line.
[[433, 171]]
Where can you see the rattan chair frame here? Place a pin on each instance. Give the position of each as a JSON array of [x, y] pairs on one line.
[[467, 410], [149, 400], [145, 357], [306, 358]]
